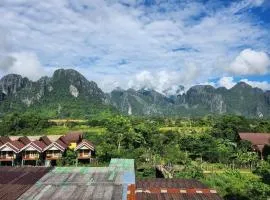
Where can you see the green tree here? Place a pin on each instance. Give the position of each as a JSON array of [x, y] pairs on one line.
[[69, 157]]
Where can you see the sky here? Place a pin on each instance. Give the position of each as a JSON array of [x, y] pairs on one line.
[[158, 44]]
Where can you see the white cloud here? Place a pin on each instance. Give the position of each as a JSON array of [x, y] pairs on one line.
[[187, 43], [259, 84], [250, 62], [227, 82], [164, 79], [23, 63]]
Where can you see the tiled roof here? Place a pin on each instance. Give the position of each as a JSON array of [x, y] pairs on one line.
[[256, 138]]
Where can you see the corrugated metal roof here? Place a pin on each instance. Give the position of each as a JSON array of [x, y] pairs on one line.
[[169, 183], [171, 189], [122, 164], [96, 183], [14, 181], [163, 196]]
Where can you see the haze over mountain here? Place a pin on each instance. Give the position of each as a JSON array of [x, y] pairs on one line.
[[69, 94]]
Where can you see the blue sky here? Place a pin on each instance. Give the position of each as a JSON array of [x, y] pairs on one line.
[[158, 44]]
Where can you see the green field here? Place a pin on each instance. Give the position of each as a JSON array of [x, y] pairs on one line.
[[186, 129], [59, 130]]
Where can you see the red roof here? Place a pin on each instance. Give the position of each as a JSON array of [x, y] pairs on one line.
[[5, 139], [14, 181], [72, 137], [40, 144], [168, 196], [25, 140], [171, 189], [169, 183], [58, 143], [256, 138], [61, 143], [16, 146], [87, 143], [45, 140]]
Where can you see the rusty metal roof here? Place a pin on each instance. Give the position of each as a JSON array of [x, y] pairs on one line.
[[96, 183], [163, 196], [171, 189], [169, 183], [14, 181]]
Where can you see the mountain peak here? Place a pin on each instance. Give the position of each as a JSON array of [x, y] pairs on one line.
[[202, 87], [66, 73], [11, 83], [241, 84], [11, 77]]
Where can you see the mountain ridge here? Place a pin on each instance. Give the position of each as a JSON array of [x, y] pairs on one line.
[[69, 93]]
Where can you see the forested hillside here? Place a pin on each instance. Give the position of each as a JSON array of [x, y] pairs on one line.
[[206, 148]]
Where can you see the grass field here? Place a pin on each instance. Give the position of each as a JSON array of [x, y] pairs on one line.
[[186, 129], [60, 130]]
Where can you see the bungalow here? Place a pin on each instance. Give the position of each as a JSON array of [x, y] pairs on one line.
[[9, 151], [54, 152], [259, 141], [32, 152], [85, 150]]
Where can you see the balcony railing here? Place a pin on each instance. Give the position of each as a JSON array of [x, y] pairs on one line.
[[6, 157], [83, 155], [53, 156], [31, 156]]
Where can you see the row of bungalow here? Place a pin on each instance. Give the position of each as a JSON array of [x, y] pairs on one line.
[[43, 150]]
